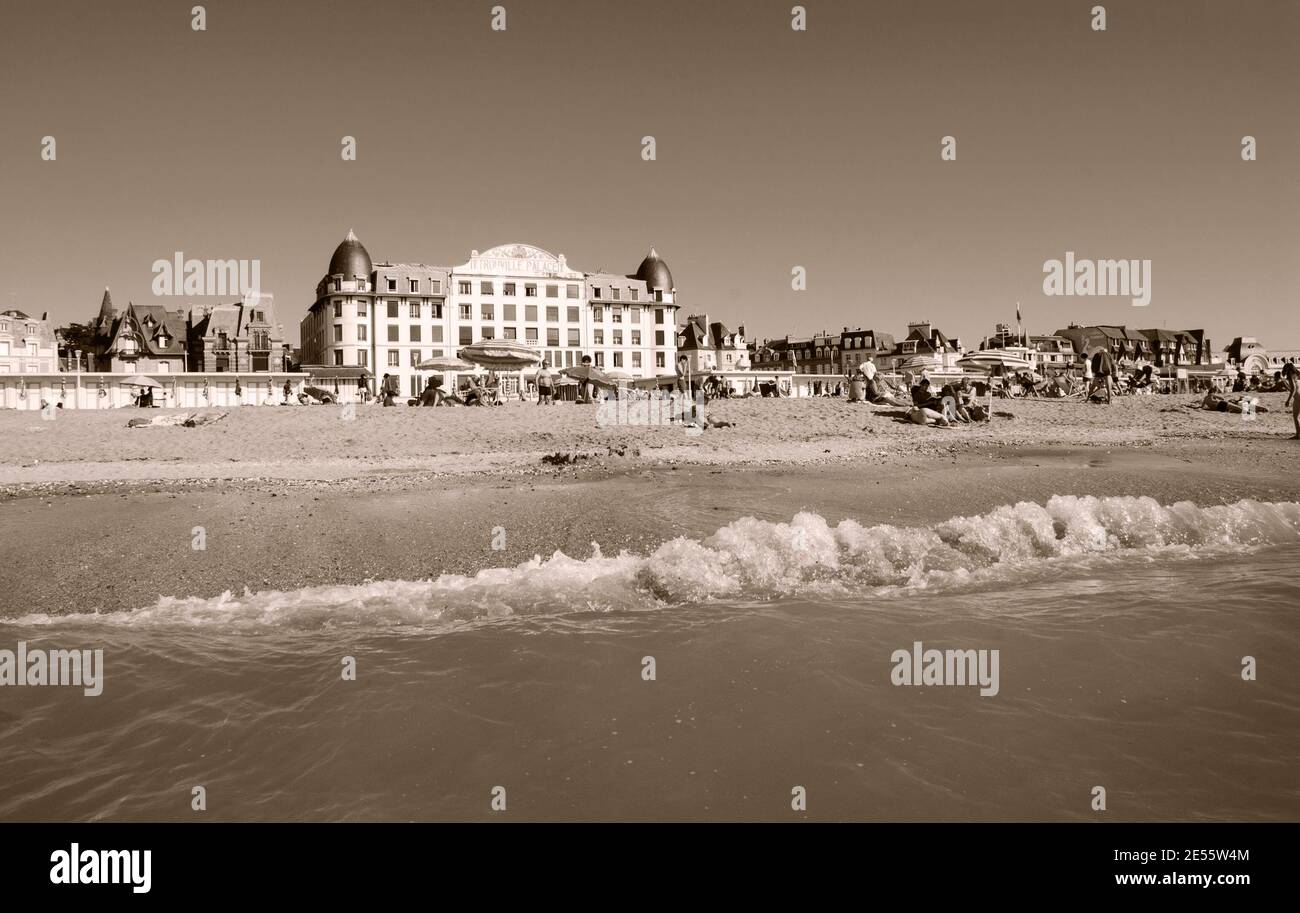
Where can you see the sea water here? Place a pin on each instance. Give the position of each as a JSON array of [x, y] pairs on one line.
[[1143, 649]]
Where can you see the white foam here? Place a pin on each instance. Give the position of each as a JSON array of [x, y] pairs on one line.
[[751, 560]]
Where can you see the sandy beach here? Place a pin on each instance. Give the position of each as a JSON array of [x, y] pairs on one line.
[[293, 497]]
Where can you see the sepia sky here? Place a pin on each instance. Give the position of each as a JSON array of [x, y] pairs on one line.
[[775, 148]]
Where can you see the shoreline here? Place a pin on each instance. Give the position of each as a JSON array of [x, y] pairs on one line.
[[122, 547]]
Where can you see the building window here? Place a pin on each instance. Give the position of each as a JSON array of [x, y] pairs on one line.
[[571, 291], [485, 288], [530, 334], [530, 290], [552, 314], [616, 314], [636, 337], [392, 284], [598, 314], [338, 285], [435, 286], [363, 357], [511, 333], [338, 310], [530, 313], [464, 288], [415, 310], [595, 291], [489, 333], [466, 335], [466, 312], [508, 311], [618, 359], [414, 286], [509, 289], [486, 311], [361, 333], [338, 356], [415, 358], [415, 332], [636, 294], [574, 339], [552, 291], [613, 293], [618, 337], [600, 359], [552, 337], [659, 337], [338, 334], [392, 333], [659, 359], [394, 358], [361, 309], [636, 359], [598, 337], [392, 310], [573, 315], [435, 334], [659, 315]]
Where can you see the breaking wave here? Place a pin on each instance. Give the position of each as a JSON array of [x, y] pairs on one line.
[[755, 560]]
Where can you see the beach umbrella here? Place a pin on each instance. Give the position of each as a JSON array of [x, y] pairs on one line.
[[919, 363], [139, 380], [590, 374], [655, 383], [989, 359], [503, 354], [445, 363]]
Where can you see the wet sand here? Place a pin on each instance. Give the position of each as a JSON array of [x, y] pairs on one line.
[[122, 545]]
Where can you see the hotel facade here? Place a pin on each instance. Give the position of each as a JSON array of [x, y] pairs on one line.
[[386, 318]]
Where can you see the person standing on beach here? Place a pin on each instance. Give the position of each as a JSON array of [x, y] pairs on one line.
[[683, 387], [1289, 377], [544, 384], [1103, 369]]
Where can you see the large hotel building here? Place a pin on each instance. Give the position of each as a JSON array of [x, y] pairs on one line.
[[388, 317]]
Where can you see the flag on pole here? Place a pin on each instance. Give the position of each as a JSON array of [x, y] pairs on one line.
[[1017, 312]]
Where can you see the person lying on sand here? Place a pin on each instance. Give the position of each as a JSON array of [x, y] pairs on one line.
[[1216, 403], [921, 415]]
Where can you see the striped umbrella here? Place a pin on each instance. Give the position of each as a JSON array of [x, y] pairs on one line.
[[989, 359], [919, 363], [445, 363], [504, 354]]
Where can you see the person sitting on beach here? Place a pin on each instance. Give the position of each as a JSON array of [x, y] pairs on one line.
[[432, 393], [857, 388], [877, 392], [925, 398]]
